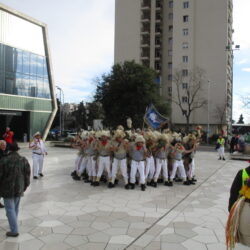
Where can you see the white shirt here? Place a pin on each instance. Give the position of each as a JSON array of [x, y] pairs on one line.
[[38, 146]]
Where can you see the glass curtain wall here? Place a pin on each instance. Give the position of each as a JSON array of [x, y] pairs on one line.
[[23, 64]]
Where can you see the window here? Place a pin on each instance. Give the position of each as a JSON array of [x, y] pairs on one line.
[[186, 5], [185, 45], [157, 66], [158, 40], [184, 85], [170, 52], [170, 4], [157, 27], [184, 72], [185, 19], [170, 65], [184, 99], [170, 28], [185, 32], [170, 91], [157, 53], [170, 16], [170, 77], [185, 59], [170, 41]]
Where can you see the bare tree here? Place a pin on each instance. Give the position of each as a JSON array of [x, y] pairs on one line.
[[246, 101], [189, 88], [220, 115]]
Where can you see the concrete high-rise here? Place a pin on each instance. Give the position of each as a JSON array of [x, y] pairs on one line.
[[181, 35]]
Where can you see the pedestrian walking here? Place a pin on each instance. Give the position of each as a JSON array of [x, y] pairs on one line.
[[3, 153], [38, 152], [8, 137], [14, 180], [221, 148]]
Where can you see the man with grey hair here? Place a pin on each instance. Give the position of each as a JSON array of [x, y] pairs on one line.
[[3, 153]]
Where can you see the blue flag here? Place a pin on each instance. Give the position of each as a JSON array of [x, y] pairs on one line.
[[153, 118]]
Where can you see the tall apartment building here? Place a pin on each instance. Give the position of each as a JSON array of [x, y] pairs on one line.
[[181, 35]]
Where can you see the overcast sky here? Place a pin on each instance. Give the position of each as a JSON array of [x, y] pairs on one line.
[[81, 34]]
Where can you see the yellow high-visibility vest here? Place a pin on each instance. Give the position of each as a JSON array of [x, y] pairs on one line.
[[245, 176]]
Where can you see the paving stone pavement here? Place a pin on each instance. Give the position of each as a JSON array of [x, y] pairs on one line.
[[59, 213]]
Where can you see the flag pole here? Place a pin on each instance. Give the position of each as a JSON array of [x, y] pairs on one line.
[[144, 119]]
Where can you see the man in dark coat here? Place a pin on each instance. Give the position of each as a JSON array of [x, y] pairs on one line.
[[3, 153], [14, 180]]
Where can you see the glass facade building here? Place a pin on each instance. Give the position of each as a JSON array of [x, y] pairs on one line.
[[27, 100]]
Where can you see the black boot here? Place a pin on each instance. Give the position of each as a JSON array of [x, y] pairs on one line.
[[73, 173], [126, 186], [193, 179], [143, 187], [76, 178], [132, 185], [170, 184], [223, 159], [154, 184], [116, 181], [186, 183], [111, 185], [191, 182], [166, 183]]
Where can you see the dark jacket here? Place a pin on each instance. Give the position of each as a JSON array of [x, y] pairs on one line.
[[3, 153], [14, 175], [236, 187]]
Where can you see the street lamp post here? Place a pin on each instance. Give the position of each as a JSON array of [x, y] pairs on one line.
[[208, 110], [61, 110]]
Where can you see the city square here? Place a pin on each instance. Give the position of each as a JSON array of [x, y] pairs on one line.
[[57, 212]]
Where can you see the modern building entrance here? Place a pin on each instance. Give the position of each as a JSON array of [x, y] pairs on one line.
[[17, 121]]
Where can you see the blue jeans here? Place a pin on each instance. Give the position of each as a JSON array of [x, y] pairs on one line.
[[12, 208]]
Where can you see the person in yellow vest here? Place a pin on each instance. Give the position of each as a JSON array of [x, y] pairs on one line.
[[221, 148]]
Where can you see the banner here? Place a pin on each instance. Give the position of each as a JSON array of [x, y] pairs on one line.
[[153, 118]]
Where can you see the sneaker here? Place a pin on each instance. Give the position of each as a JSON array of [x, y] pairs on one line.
[[35, 177], [1, 205], [10, 234], [41, 174]]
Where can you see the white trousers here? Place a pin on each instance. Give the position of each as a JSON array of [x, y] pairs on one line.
[[221, 152], [140, 166], [161, 164], [178, 164], [104, 163], [37, 164], [84, 165], [150, 168], [191, 170], [78, 162], [122, 165], [92, 166]]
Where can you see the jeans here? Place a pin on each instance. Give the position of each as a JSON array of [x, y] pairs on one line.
[[12, 207]]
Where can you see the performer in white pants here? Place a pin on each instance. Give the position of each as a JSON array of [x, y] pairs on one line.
[[91, 158], [150, 161], [103, 147], [161, 154], [138, 155], [119, 148], [38, 152], [179, 150]]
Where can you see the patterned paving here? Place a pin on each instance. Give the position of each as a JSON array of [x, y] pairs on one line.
[[59, 213]]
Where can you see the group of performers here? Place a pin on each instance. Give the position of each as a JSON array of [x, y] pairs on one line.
[[142, 157]]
